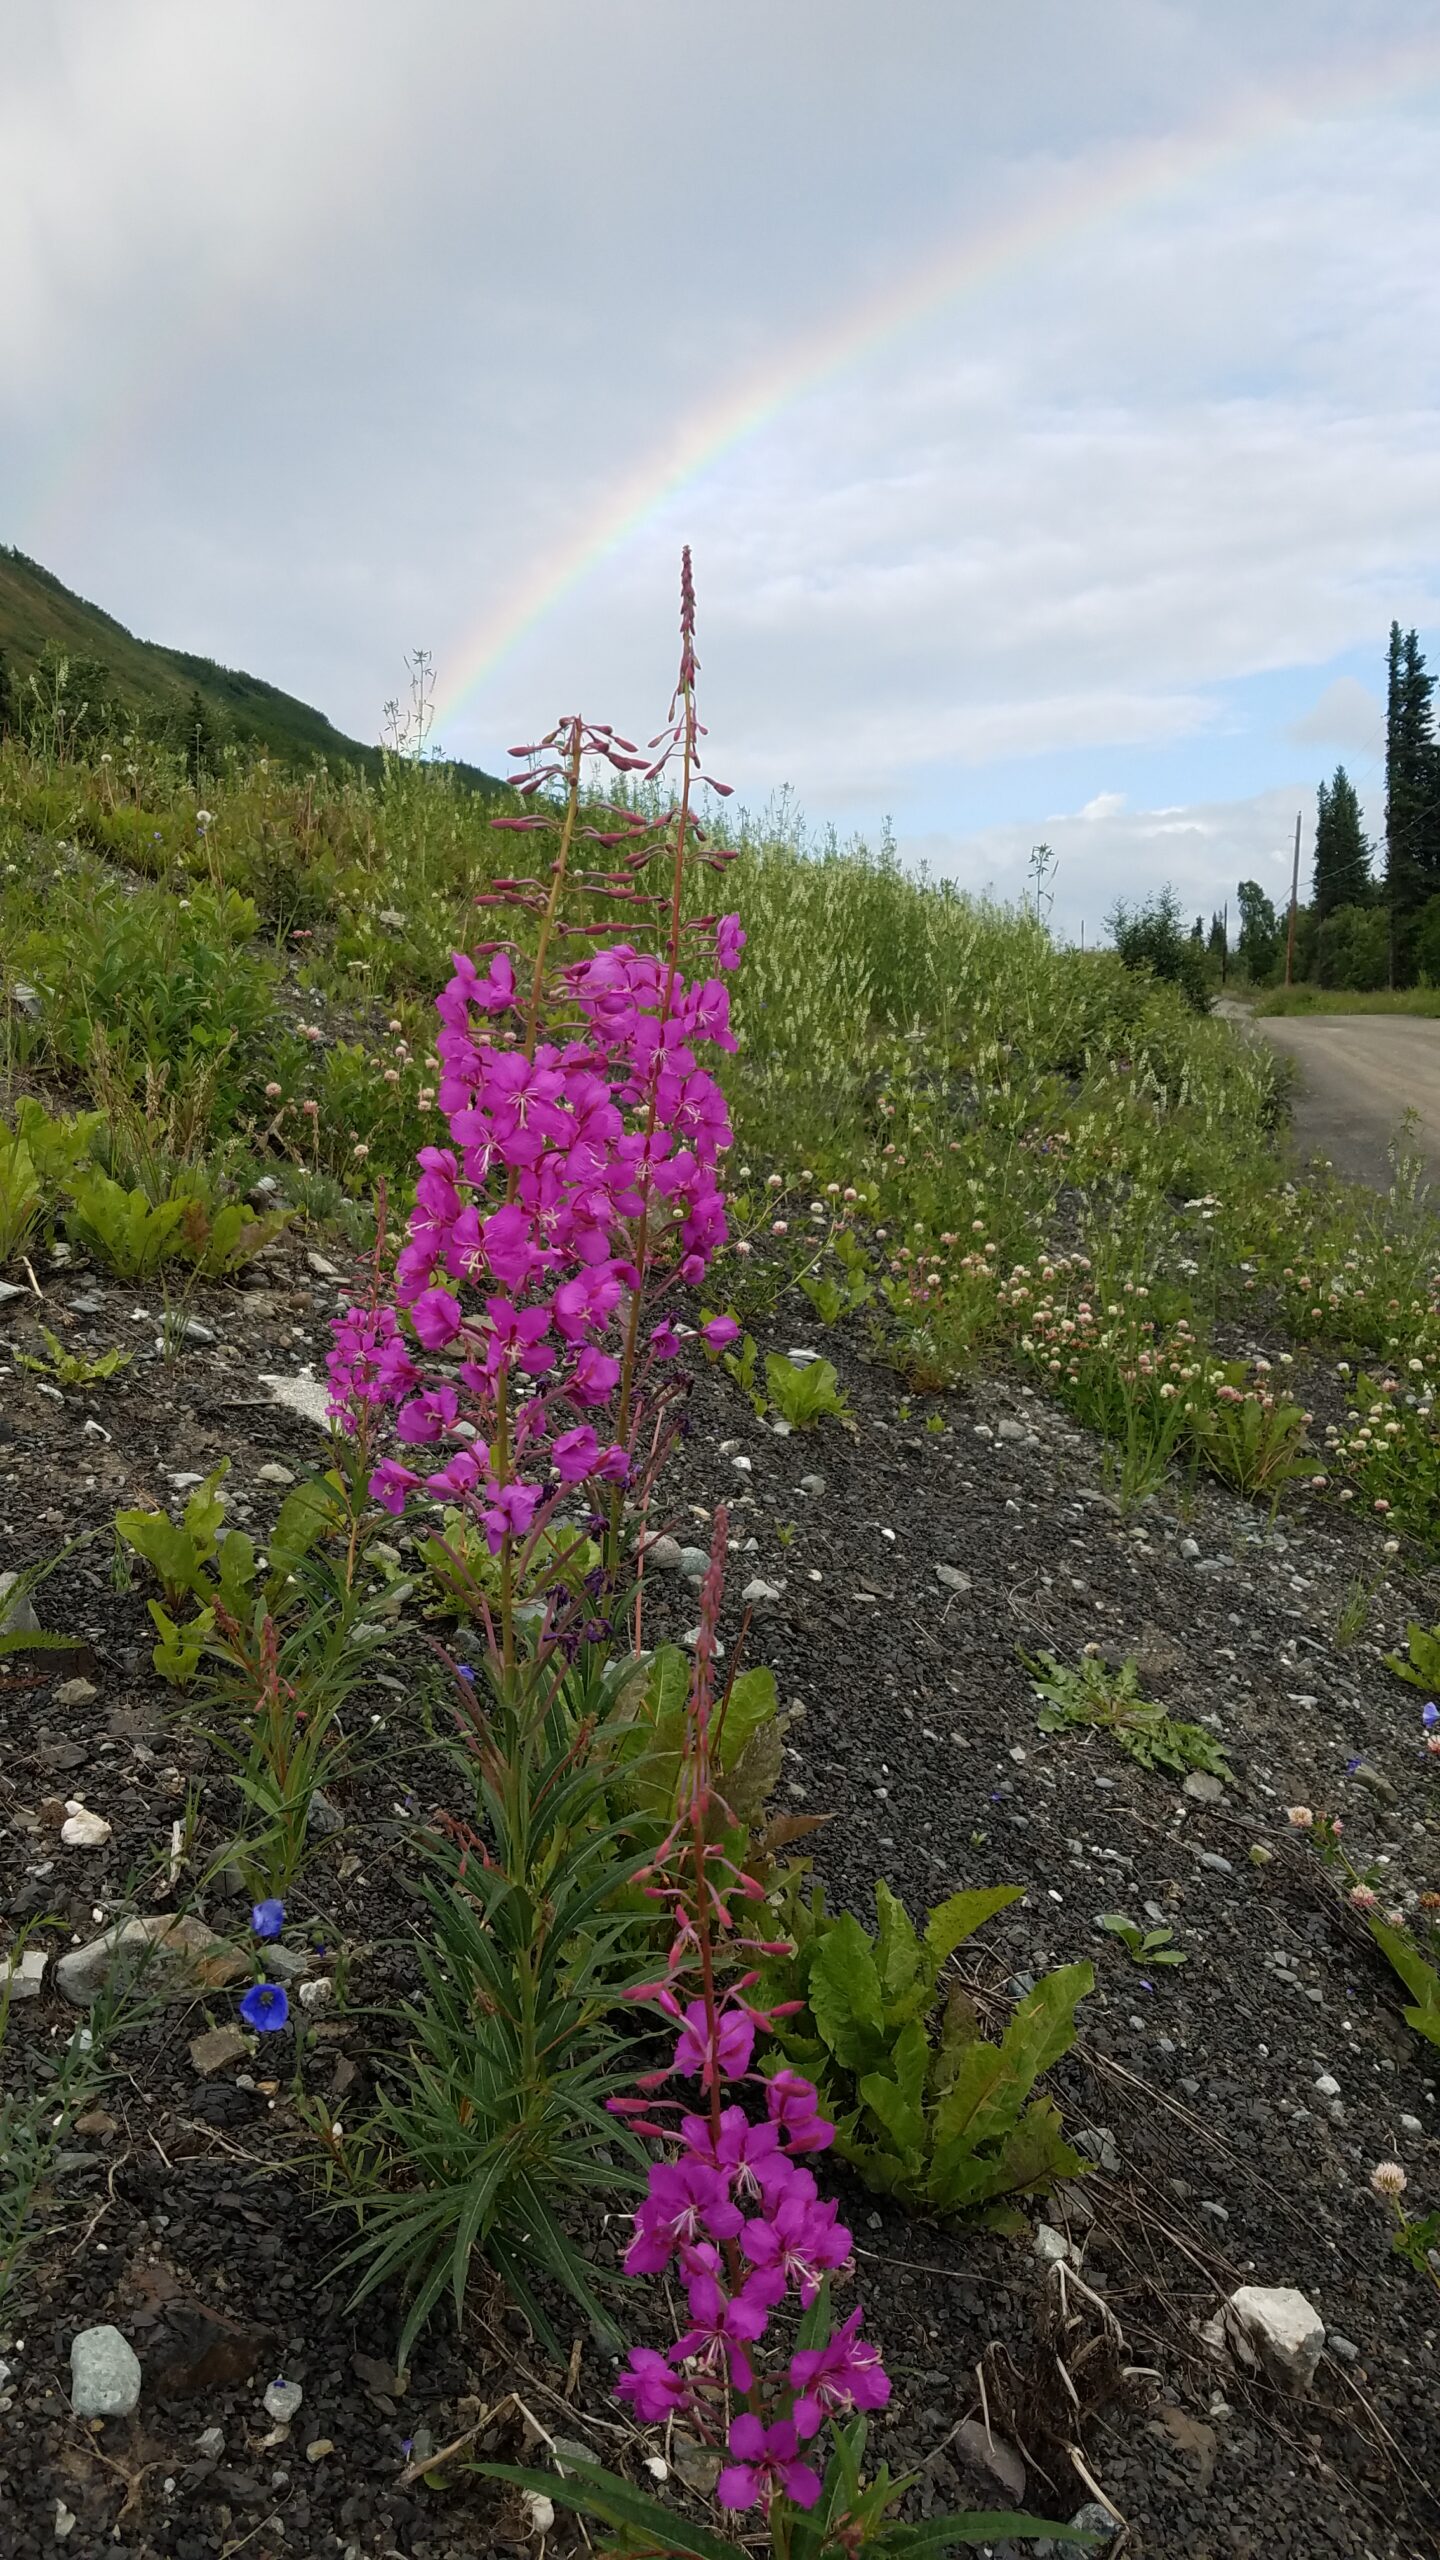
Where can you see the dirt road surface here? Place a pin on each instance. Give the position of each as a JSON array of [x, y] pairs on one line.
[[1359, 1073]]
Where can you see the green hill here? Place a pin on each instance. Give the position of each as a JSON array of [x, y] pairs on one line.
[[38, 615]]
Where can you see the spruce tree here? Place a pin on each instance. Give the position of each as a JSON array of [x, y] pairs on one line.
[[1342, 854], [1412, 797]]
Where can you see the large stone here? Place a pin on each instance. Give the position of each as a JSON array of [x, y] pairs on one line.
[[1282, 2328], [17, 1615], [104, 2374], [177, 1954]]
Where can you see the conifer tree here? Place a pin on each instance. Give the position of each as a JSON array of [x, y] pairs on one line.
[[1412, 797], [1342, 853]]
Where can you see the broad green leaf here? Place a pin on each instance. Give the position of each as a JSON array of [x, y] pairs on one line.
[[845, 1994], [753, 1703], [307, 1514], [897, 1949], [1418, 1976], [952, 1922], [903, 2122]]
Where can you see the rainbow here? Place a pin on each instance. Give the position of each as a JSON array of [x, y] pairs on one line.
[[1142, 174]]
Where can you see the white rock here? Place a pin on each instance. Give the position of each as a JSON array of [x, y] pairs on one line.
[[1411, 2124], [317, 1994], [758, 1594], [211, 2444], [1051, 2246], [952, 1577], [812, 1484], [22, 1976], [1283, 2328], [1205, 1788], [82, 1829], [1327, 2086], [64, 2524], [76, 1693], [742, 1466], [1008, 1430], [104, 2373], [323, 1269], [664, 1553], [539, 2511], [309, 1397], [282, 2399], [803, 1359]]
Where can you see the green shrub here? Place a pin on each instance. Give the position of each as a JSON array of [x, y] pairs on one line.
[[923, 2109], [1153, 937]]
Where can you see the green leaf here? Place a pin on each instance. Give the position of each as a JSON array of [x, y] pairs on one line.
[[897, 1949], [954, 2533], [952, 1922], [589, 2491], [753, 1704], [845, 1993], [308, 1513], [903, 2121], [1418, 1976]]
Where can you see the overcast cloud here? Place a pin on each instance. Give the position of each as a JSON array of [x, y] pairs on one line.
[[329, 330]]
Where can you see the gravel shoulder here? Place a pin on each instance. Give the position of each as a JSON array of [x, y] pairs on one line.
[[1233, 2105]]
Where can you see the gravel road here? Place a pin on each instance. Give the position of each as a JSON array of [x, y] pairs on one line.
[[1359, 1073]]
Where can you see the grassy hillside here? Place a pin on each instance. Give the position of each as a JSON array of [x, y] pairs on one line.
[[38, 613]]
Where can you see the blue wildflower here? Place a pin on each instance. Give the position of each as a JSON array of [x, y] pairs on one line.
[[1429, 1714], [466, 1670], [267, 1919], [265, 2007]]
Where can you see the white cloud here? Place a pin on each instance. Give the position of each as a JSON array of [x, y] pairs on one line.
[[1347, 714], [318, 340], [1202, 853]]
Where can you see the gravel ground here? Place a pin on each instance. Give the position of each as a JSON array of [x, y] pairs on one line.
[[1220, 2160]]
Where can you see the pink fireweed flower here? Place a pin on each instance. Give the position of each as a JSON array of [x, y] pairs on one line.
[[729, 942], [720, 1332], [747, 2155], [768, 2466], [843, 2375], [734, 2043], [436, 1317], [652, 2389], [800, 2237], [688, 2201], [724, 2325], [793, 2104]]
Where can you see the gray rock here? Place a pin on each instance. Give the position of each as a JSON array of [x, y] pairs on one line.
[[322, 1817], [1344, 2350], [1327, 2086], [1366, 1775], [1098, 2144], [952, 1577], [195, 1331], [1204, 1788], [76, 1693], [17, 1615], [26, 999], [759, 1595], [1282, 2328], [1008, 1430], [273, 1473], [812, 1484], [104, 2373], [1411, 2124], [694, 1563], [1190, 1549], [211, 2444], [10, 1290], [1217, 1865], [322, 1268], [177, 1953], [664, 1553]]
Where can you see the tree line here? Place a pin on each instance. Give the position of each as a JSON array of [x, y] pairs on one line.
[[1366, 924]]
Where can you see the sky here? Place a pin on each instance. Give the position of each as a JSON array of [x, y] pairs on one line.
[[1051, 397]]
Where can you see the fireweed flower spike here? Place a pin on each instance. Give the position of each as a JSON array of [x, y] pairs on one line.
[[736, 2217], [580, 1186]]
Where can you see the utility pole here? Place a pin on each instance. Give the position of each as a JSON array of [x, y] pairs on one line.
[[1225, 944], [1294, 900]]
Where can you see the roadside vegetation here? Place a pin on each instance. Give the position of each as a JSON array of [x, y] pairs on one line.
[[688, 1075]]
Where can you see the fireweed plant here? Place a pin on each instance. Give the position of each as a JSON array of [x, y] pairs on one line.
[[733, 2211], [579, 1193]]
